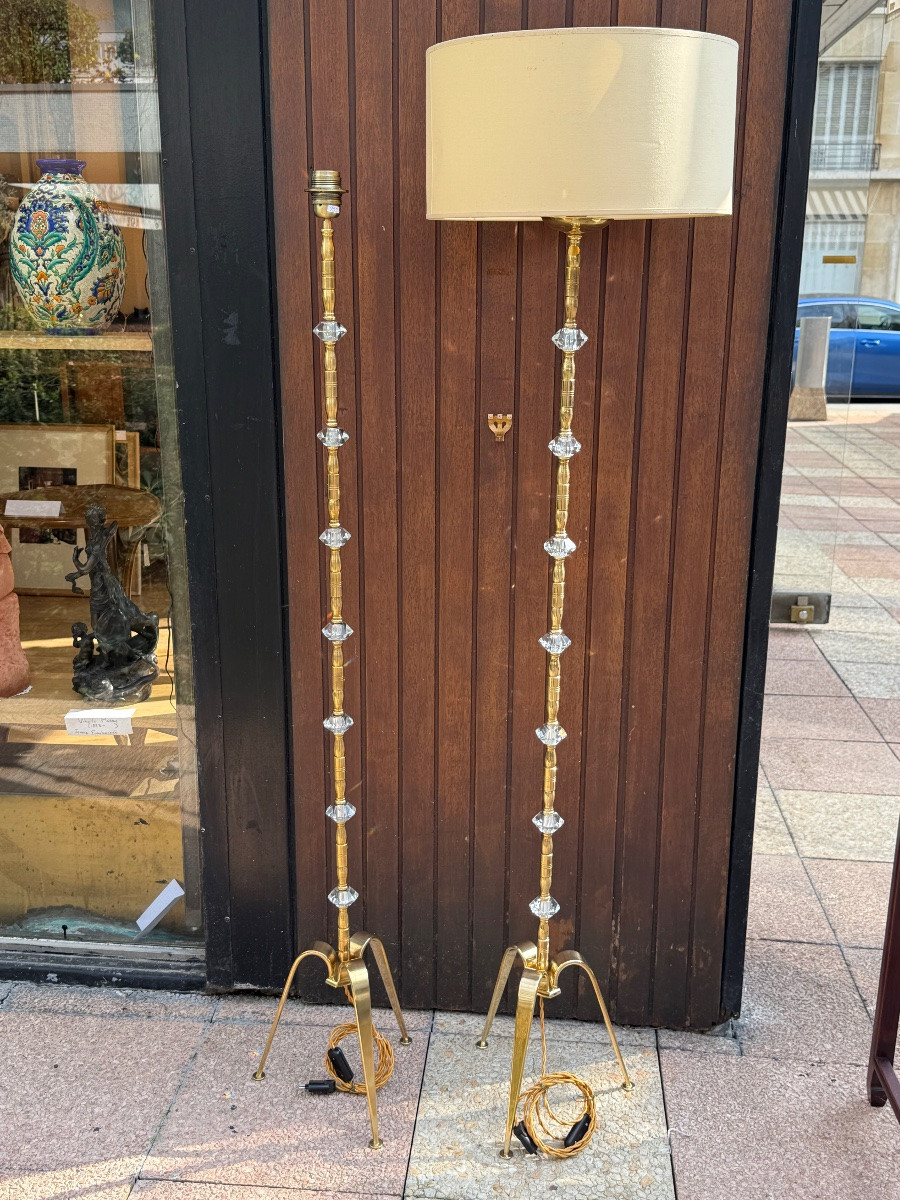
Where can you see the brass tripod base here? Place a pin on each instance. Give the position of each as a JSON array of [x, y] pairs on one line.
[[537, 982], [350, 972]]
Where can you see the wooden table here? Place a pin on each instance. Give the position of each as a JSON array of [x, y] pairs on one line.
[[130, 507], [884, 1085]]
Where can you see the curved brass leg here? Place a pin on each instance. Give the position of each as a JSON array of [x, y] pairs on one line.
[[362, 1003], [528, 990], [381, 960], [574, 959], [318, 950], [506, 964]]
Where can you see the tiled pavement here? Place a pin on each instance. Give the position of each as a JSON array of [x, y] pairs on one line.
[[107, 1094]]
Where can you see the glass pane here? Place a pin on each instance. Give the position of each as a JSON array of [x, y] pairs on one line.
[[98, 810]]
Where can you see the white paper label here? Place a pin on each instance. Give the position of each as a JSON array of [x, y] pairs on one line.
[[94, 722], [333, 208], [154, 913], [33, 508]]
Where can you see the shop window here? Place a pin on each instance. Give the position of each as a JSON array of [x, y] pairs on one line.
[[99, 810]]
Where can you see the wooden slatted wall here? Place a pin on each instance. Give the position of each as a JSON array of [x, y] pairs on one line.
[[446, 578]]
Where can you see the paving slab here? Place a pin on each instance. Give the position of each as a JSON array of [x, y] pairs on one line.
[[885, 716], [855, 898], [158, 1189], [793, 643], [770, 833], [763, 1130], [842, 824], [839, 645], [143, 1004], [795, 765], [800, 1002], [260, 1010], [462, 1113], [877, 681], [226, 1128], [785, 677], [783, 903], [470, 1025], [82, 1098], [818, 718], [865, 967]]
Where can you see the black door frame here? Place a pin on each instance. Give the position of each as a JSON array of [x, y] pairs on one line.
[[211, 61]]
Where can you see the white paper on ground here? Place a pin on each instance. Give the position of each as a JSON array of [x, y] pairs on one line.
[[154, 913], [92, 722], [32, 508]]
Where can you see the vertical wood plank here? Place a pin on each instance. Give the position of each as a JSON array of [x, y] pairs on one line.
[[374, 191], [417, 498], [456, 457], [496, 393]]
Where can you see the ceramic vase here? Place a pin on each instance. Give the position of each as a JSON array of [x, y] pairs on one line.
[[66, 254]]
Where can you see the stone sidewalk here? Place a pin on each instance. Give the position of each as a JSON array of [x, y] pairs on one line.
[[107, 1094]]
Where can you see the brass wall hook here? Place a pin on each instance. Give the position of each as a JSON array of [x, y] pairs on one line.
[[500, 424]]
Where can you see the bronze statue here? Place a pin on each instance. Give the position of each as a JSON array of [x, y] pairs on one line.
[[115, 662]]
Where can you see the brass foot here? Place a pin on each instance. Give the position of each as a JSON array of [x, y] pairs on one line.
[[259, 1075], [506, 1153], [406, 1041], [482, 1045], [376, 1144]]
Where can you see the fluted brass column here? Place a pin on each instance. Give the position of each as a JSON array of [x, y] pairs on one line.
[[541, 972], [346, 966]]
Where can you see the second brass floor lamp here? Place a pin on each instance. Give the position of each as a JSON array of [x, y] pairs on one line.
[[576, 127]]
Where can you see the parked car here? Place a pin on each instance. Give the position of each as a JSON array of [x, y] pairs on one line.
[[864, 346]]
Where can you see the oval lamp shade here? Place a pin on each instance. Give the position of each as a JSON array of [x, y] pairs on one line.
[[618, 123]]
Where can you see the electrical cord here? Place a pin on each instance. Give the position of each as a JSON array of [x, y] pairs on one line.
[[541, 1123], [385, 1061]]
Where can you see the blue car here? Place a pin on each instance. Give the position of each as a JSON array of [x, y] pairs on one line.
[[864, 347]]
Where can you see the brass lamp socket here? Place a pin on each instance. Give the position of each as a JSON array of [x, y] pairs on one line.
[[325, 192]]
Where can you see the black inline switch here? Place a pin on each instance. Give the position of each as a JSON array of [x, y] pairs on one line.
[[578, 1130], [321, 1085], [342, 1068], [524, 1137]]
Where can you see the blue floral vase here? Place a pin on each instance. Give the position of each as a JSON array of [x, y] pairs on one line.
[[66, 254]]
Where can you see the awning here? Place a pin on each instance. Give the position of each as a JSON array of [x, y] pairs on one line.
[[836, 204]]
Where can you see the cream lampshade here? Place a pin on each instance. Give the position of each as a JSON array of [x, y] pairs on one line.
[[617, 123]]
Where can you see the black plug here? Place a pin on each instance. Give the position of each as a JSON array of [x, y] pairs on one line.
[[320, 1085], [342, 1068], [525, 1138], [578, 1130]]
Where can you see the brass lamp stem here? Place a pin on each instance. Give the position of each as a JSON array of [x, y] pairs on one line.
[[558, 580]]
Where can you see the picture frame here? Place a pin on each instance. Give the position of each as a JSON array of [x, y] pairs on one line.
[[39, 454]]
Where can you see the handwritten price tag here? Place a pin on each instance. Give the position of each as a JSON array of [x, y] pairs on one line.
[[95, 722]]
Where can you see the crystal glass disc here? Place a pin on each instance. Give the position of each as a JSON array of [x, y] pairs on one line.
[[560, 546], [548, 822], [337, 631], [333, 438], [329, 331], [344, 897], [555, 643], [551, 734], [564, 445], [340, 812], [569, 339], [335, 538], [338, 723], [543, 908]]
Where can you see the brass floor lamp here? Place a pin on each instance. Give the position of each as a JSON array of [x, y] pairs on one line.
[[578, 127], [345, 965]]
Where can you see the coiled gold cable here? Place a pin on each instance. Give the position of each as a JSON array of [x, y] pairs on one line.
[[538, 1117], [385, 1061]]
